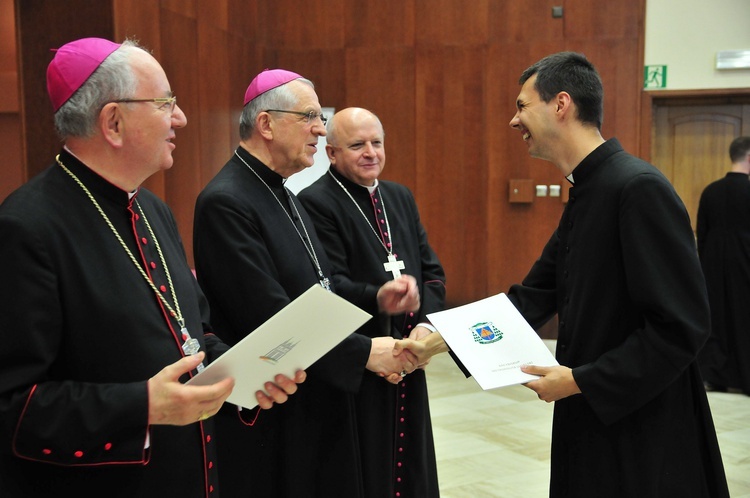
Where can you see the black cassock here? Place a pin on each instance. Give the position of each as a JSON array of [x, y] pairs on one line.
[[723, 231], [622, 273], [82, 332], [251, 262], [398, 454]]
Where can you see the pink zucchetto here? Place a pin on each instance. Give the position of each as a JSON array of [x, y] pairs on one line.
[[268, 80], [72, 65]]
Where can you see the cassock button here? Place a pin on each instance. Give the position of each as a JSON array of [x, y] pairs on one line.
[[401, 434], [400, 450], [411, 313], [47, 451], [401, 420], [153, 265], [208, 438], [163, 288], [403, 396], [144, 240], [211, 489], [108, 446], [382, 222], [210, 465], [78, 454]]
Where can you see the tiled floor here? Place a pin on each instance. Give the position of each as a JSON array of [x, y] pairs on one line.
[[495, 444]]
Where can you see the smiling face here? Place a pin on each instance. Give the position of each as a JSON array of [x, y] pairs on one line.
[[150, 126], [535, 119], [357, 150]]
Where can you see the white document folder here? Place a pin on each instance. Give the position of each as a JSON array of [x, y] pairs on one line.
[[294, 338], [492, 340]]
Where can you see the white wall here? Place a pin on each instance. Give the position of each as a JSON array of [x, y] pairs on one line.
[[685, 35]]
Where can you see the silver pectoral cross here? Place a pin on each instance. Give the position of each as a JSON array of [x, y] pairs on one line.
[[191, 345], [393, 266]]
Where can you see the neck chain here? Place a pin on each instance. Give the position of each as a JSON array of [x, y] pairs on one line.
[[393, 265], [324, 281], [191, 345]]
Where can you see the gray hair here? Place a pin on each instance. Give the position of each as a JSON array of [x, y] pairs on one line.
[[114, 79], [280, 97]]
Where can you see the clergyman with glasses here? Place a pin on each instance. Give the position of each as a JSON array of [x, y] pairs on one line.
[[255, 251], [103, 320]]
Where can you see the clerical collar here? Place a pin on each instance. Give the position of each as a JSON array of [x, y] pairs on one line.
[[373, 188], [66, 149], [258, 167]]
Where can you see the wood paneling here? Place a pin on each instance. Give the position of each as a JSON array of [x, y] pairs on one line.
[[42, 26], [364, 25], [312, 24], [451, 23], [441, 74], [451, 163]]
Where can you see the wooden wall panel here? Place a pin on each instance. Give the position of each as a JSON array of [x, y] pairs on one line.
[[180, 36], [389, 93], [364, 26], [524, 22], [325, 68], [13, 172], [451, 23], [452, 163], [44, 25], [290, 24], [139, 20], [597, 20]]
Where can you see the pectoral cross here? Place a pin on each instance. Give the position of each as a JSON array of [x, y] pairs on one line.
[[393, 266], [191, 345]]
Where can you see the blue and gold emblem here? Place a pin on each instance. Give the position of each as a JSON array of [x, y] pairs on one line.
[[486, 333]]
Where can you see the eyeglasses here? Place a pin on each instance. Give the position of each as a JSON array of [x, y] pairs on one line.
[[309, 116], [166, 102]]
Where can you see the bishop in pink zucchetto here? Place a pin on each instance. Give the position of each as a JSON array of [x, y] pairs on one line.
[[73, 64], [268, 79]]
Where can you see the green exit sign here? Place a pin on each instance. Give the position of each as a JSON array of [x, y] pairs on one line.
[[655, 77]]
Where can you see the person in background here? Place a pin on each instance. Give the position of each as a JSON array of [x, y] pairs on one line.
[[102, 317], [723, 232], [372, 233], [256, 250], [622, 274]]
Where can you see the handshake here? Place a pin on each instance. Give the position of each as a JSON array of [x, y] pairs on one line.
[[393, 359]]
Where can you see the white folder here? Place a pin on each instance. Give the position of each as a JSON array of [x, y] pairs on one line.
[[294, 338]]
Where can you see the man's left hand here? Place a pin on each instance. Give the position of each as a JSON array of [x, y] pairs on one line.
[[554, 383]]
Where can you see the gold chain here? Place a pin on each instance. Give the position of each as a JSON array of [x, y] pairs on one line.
[[178, 313]]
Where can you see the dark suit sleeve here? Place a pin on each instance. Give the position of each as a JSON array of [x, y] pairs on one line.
[[62, 422]]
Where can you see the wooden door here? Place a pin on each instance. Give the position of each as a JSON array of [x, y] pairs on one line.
[[691, 145]]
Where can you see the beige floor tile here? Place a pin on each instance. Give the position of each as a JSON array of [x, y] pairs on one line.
[[495, 444]]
